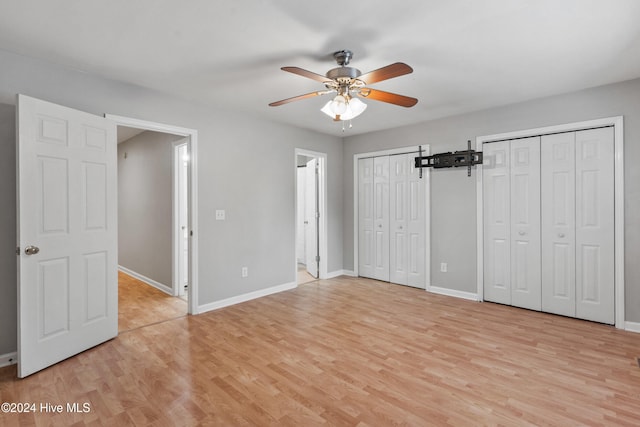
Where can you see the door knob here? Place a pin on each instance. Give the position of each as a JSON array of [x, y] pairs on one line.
[[522, 233], [31, 250], [400, 227], [561, 235]]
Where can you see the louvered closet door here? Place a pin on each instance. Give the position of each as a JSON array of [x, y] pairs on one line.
[[497, 223], [406, 222], [595, 279], [525, 223]]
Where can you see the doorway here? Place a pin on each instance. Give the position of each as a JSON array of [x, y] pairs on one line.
[[183, 195], [310, 216], [152, 224]]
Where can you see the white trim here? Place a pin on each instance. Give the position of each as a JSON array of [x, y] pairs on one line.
[[618, 124], [339, 273], [453, 293], [8, 359], [322, 208], [632, 327], [246, 297], [426, 175], [160, 286], [192, 134]]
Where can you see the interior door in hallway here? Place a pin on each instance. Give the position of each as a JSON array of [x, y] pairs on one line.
[[67, 233], [312, 217]]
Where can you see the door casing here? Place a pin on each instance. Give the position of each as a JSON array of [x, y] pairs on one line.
[[192, 136], [322, 208]]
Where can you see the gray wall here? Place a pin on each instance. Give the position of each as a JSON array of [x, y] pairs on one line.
[[8, 295], [453, 194], [246, 166], [145, 206]]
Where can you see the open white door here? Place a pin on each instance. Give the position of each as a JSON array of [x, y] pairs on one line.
[[311, 217], [67, 233]]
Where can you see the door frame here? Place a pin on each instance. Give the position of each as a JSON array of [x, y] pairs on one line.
[[192, 144], [618, 125], [427, 199], [322, 208]]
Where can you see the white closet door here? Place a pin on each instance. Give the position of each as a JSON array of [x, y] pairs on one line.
[[366, 248], [398, 220], [381, 218], [595, 225], [406, 222], [558, 224], [416, 224], [525, 223], [497, 223]]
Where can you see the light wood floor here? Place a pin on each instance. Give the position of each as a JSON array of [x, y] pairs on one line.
[[140, 304], [351, 352]]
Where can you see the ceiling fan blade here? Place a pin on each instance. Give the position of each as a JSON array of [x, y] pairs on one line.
[[309, 74], [299, 97], [391, 98], [390, 71]]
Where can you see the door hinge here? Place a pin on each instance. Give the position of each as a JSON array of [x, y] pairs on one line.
[[17, 250], [317, 214], [317, 258]]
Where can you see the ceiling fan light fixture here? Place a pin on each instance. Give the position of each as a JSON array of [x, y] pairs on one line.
[[339, 105], [353, 108]]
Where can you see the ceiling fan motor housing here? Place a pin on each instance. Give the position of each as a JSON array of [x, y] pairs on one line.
[[343, 73]]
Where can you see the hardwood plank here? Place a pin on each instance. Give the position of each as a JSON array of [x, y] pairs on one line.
[[140, 304], [347, 351]]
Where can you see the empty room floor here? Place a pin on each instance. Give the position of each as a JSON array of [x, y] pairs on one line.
[[140, 304], [347, 351]]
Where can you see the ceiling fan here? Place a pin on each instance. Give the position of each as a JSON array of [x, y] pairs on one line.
[[347, 83]]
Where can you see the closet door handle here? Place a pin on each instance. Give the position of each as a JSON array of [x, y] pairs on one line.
[[522, 233], [561, 235]]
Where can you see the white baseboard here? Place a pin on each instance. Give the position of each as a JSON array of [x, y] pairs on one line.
[[632, 327], [453, 293], [160, 286], [246, 297], [8, 359], [340, 273]]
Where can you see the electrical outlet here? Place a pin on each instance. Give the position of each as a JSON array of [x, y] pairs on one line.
[[220, 215], [245, 271], [443, 267]]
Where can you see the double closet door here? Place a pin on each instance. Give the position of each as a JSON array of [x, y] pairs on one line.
[[391, 220], [549, 223]]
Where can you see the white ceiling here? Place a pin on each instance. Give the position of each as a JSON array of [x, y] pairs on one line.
[[466, 54]]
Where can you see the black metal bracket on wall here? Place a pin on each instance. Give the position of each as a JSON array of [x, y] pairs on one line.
[[466, 158]]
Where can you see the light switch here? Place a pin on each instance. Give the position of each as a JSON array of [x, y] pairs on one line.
[[220, 215]]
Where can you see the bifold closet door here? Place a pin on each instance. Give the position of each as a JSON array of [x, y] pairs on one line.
[[578, 224], [525, 223], [497, 222], [406, 222], [373, 211], [511, 209], [558, 224]]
